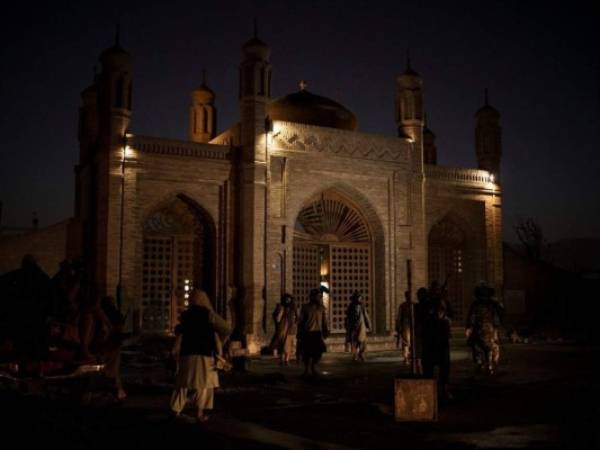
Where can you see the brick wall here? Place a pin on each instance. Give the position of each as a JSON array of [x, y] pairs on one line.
[[48, 245]]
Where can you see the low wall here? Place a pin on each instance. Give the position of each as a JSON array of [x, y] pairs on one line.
[[48, 245]]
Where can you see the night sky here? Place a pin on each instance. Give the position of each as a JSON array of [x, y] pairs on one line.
[[540, 62]]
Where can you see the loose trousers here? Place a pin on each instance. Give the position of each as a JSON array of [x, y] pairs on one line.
[[202, 398]]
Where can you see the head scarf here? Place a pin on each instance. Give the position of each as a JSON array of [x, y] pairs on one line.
[[200, 298]]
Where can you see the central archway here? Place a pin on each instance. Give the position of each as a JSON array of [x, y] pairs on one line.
[[333, 247], [178, 253]]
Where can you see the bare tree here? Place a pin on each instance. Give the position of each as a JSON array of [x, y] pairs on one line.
[[531, 237]]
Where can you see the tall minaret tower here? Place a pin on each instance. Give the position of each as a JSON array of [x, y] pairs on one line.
[[410, 120], [103, 227], [254, 95], [255, 92], [114, 95], [409, 105], [203, 114], [488, 138]]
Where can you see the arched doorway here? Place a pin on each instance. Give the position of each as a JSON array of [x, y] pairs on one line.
[[333, 248], [178, 254], [447, 262]]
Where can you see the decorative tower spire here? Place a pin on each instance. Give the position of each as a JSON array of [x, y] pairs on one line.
[[488, 137], [409, 103], [203, 114], [255, 28], [118, 35]]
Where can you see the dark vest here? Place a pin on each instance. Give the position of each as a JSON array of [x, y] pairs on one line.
[[198, 334]]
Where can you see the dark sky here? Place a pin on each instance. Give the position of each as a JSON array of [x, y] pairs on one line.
[[540, 62]]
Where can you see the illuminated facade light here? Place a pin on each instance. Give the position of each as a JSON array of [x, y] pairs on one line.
[[128, 152], [325, 284]]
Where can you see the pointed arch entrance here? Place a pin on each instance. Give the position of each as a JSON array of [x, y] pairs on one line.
[[333, 248], [448, 262], [178, 253]]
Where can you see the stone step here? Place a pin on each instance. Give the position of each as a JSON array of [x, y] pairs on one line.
[[375, 343]]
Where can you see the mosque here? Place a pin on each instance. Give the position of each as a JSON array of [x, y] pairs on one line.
[[291, 197]]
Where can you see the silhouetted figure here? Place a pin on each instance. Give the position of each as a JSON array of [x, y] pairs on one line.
[[482, 325], [66, 285], [197, 348], [436, 344], [403, 335], [27, 303], [286, 318], [421, 312], [110, 349], [358, 323], [312, 332], [500, 311], [439, 294]]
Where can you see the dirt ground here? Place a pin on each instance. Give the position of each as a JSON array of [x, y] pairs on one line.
[[543, 396]]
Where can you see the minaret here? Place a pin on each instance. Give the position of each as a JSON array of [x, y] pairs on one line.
[[410, 120], [429, 148], [114, 94], [203, 114], [488, 138], [254, 95], [114, 116], [255, 92], [409, 104]]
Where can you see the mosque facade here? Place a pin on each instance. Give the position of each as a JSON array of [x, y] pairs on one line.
[[290, 198]]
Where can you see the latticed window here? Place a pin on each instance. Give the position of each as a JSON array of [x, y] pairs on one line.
[[446, 262], [174, 255], [156, 283]]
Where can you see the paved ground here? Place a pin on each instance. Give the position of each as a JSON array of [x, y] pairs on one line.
[[544, 396]]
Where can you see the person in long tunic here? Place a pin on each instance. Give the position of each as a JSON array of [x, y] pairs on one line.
[[481, 328], [197, 347], [403, 328], [285, 317], [312, 332], [358, 323]]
